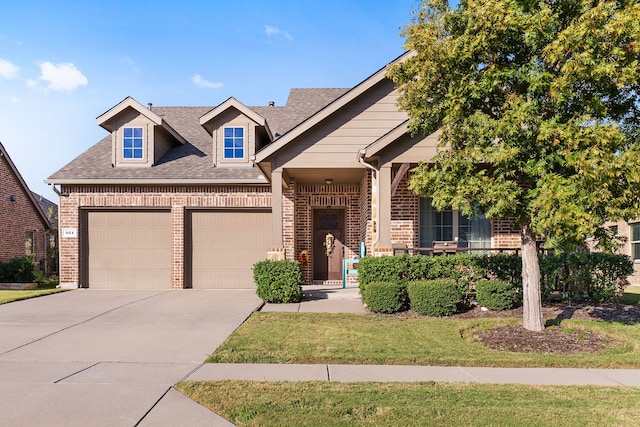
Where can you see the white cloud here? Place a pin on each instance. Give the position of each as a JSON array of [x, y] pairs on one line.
[[59, 77], [14, 100], [199, 81], [130, 63], [8, 70], [275, 31]]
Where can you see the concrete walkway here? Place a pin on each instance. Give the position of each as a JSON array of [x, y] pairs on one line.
[[338, 300], [111, 358]]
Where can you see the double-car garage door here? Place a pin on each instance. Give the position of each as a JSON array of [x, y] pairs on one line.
[[129, 249]]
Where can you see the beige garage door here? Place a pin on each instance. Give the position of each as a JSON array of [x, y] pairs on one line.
[[129, 250], [225, 245]]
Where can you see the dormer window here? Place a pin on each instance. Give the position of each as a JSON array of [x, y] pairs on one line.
[[234, 147], [132, 143]]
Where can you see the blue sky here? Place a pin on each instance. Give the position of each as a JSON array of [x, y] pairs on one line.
[[64, 63]]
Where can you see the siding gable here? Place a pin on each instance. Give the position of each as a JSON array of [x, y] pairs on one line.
[[336, 140]]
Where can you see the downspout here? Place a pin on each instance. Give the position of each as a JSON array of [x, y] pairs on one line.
[[55, 190], [376, 221]]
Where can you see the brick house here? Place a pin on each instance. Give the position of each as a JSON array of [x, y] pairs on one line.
[[192, 197], [23, 224]]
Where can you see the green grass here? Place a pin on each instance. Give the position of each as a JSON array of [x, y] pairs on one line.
[[361, 339], [11, 296], [631, 295], [247, 403]]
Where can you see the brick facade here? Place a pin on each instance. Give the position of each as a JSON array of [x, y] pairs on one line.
[[298, 204], [18, 216], [504, 235], [405, 212], [309, 197], [405, 221], [177, 199]]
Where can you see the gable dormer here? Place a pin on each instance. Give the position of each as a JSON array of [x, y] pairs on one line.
[[237, 132], [139, 137]]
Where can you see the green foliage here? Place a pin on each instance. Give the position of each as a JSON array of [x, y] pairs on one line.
[[18, 270], [497, 294], [278, 281], [466, 269], [578, 277], [439, 297], [538, 103], [386, 297], [585, 277], [505, 267], [46, 281]]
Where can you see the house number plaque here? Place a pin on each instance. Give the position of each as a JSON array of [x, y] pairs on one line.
[[69, 232]]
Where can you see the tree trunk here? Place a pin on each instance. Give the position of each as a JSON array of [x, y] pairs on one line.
[[531, 295]]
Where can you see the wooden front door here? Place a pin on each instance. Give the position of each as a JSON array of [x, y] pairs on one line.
[[328, 221]]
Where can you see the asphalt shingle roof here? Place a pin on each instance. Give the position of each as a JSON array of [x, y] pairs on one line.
[[194, 160]]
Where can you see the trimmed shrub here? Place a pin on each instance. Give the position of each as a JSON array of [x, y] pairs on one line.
[[278, 281], [585, 276], [18, 270], [505, 267], [496, 294], [407, 268], [385, 297], [577, 277], [435, 297]]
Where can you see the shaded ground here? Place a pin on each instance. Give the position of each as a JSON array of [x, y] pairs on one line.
[[606, 312], [553, 340]]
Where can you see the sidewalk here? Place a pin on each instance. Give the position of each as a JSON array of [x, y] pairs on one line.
[[335, 299], [396, 373]]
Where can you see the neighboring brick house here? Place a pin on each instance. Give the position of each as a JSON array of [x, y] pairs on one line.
[[50, 210], [192, 197], [23, 224]]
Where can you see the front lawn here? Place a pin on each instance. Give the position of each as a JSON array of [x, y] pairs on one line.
[[357, 339], [11, 296], [631, 295], [250, 403]]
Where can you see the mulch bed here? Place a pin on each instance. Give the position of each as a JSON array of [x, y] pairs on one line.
[[553, 340]]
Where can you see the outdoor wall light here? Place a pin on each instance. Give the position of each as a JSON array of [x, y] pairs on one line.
[[328, 181], [12, 198]]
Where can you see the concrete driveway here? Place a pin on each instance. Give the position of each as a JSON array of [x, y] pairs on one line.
[[109, 358]]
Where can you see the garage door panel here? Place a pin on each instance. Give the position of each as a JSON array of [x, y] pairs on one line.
[[129, 249], [225, 245]]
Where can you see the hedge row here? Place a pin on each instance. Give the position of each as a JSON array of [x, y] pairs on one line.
[[576, 277], [439, 297]]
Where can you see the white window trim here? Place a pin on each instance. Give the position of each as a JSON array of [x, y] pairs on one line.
[[142, 159], [245, 145]]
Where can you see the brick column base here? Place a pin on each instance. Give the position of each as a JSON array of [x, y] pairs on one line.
[[384, 252], [275, 254]]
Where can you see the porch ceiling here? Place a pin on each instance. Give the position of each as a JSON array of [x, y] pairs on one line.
[[319, 175]]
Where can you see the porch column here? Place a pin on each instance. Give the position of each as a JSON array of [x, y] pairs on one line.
[[384, 213], [276, 251]]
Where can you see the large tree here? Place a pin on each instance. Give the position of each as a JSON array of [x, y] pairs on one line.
[[538, 105]]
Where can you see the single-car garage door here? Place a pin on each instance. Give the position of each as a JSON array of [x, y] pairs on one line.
[[224, 245], [128, 249]]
